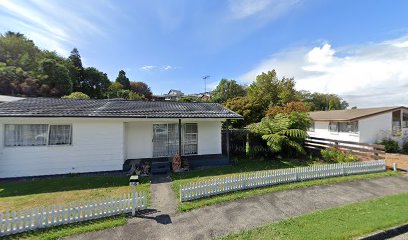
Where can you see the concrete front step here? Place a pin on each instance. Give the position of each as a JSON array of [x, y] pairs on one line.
[[160, 167]]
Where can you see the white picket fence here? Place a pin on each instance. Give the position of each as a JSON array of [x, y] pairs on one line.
[[272, 177], [12, 222]]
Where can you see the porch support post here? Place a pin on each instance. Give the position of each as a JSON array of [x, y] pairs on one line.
[[228, 140], [179, 132]]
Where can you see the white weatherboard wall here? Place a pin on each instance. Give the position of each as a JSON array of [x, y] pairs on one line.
[[139, 135], [372, 128], [209, 138], [322, 131], [97, 145]]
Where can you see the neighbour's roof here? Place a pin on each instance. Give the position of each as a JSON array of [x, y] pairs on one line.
[[61, 107], [350, 114], [5, 98]]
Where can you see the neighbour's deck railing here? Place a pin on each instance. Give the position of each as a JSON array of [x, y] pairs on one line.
[[238, 182], [12, 222], [364, 151]]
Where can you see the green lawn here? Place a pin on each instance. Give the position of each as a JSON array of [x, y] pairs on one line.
[[24, 194], [250, 166], [72, 229], [344, 222]]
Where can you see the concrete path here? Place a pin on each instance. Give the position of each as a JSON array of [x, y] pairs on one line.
[[217, 220], [162, 197]]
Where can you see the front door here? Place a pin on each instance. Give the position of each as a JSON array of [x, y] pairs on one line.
[[165, 140]]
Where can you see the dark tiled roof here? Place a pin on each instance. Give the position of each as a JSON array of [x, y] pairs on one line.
[[59, 107], [349, 114]]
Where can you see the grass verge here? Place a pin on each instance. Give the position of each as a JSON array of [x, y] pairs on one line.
[[72, 229], [249, 166], [344, 222]]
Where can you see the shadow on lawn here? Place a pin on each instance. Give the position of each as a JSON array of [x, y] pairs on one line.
[[67, 183], [242, 166]]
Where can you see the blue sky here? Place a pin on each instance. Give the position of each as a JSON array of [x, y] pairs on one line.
[[357, 49]]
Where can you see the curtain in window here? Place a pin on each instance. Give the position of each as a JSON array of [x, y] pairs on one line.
[[190, 139], [60, 135], [26, 134]]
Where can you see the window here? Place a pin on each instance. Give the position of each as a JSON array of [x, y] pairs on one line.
[[37, 135], [311, 127], [333, 127], [346, 127], [60, 135], [350, 127], [190, 142], [25, 134], [166, 139]]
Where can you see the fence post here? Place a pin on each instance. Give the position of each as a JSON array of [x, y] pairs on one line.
[[394, 167], [134, 201]]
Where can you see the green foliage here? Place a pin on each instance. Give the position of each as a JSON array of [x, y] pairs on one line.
[[135, 96], [269, 90], [227, 89], [322, 101], [248, 107], [282, 132], [141, 88], [77, 95], [404, 148], [391, 146], [95, 83], [185, 99], [76, 70], [122, 79], [56, 77], [337, 156]]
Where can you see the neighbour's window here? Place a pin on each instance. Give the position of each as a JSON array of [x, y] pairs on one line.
[[60, 135], [350, 127], [346, 127], [37, 135], [190, 141], [25, 134], [311, 127], [333, 127]]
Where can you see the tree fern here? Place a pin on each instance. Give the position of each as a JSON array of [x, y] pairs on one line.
[[280, 132]]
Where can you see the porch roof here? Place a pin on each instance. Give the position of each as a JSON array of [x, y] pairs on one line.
[[103, 108]]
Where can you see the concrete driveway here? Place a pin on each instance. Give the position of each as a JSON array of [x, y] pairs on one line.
[[217, 220]]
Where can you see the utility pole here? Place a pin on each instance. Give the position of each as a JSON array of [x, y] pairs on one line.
[[205, 82]]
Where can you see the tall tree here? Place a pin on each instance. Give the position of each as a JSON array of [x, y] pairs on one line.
[[141, 88], [95, 83], [248, 107], [122, 79], [76, 70], [269, 90], [56, 77], [17, 50], [227, 89]]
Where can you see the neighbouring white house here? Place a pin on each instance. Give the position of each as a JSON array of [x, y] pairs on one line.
[[6, 98], [365, 125], [45, 136]]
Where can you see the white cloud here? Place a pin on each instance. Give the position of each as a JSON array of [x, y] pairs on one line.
[[153, 68], [54, 25], [240, 9], [147, 68], [368, 75]]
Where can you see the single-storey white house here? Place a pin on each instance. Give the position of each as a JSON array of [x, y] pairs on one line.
[[46, 136], [365, 125]]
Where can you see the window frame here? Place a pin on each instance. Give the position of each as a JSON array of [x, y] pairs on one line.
[[47, 135], [184, 126]]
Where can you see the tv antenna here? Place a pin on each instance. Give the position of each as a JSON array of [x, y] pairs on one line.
[[205, 82]]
